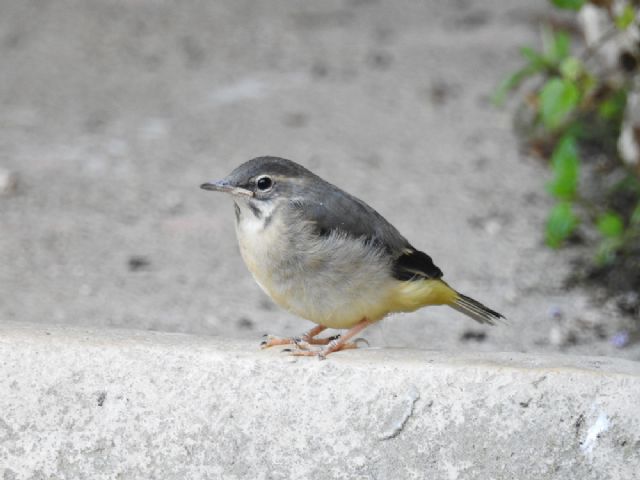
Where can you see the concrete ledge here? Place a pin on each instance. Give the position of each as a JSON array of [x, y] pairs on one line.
[[105, 404]]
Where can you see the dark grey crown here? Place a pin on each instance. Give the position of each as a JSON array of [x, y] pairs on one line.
[[271, 166]]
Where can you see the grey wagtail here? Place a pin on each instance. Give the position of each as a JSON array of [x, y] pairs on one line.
[[329, 257]]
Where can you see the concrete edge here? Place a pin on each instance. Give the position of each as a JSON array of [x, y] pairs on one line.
[[103, 404]]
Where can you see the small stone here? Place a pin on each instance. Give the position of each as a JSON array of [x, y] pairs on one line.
[[556, 337], [510, 295], [8, 182], [137, 263], [245, 323], [441, 91], [319, 70], [492, 227], [266, 304], [380, 60], [471, 335]]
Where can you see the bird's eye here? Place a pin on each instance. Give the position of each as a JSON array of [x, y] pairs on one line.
[[264, 183]]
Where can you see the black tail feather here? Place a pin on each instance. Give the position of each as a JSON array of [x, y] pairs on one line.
[[474, 309]]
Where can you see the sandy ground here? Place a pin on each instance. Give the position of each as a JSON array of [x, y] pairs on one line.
[[112, 113]]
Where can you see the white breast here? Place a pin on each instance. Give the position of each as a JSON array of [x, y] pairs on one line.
[[257, 238]]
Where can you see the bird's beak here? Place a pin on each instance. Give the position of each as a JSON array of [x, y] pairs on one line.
[[224, 186]]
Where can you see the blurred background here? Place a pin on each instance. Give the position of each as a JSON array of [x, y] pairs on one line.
[[112, 113]]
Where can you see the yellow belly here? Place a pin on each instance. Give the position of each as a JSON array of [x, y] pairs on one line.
[[374, 304], [412, 295]]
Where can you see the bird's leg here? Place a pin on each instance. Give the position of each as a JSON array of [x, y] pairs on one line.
[[308, 338], [337, 344]]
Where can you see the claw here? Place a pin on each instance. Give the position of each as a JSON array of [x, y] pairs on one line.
[[335, 343], [303, 344]]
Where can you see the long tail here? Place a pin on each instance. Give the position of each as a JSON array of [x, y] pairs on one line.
[[474, 309], [411, 295]]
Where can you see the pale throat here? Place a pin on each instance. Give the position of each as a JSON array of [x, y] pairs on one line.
[[253, 215]]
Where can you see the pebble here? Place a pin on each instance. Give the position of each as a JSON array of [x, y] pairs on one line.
[[137, 263], [8, 182]]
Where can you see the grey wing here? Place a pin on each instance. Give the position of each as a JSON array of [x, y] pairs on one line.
[[339, 211]]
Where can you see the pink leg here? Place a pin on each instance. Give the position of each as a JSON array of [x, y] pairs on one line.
[[338, 344], [306, 339]]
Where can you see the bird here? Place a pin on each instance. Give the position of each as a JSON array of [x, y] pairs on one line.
[[328, 257]]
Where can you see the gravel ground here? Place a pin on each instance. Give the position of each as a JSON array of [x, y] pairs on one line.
[[112, 113]]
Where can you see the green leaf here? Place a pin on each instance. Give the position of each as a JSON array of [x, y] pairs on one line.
[[568, 4], [611, 225], [558, 99], [613, 106], [626, 18], [607, 250], [587, 84], [571, 68], [566, 168], [510, 83], [556, 46], [536, 59], [560, 224]]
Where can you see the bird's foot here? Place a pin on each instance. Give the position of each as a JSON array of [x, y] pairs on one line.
[[333, 346], [303, 342], [271, 341]]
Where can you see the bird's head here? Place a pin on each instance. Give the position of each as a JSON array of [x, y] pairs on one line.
[[263, 183]]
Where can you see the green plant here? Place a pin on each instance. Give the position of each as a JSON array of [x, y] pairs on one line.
[[577, 112]]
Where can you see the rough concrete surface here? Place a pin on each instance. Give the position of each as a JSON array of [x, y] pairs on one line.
[[108, 404], [112, 113]]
